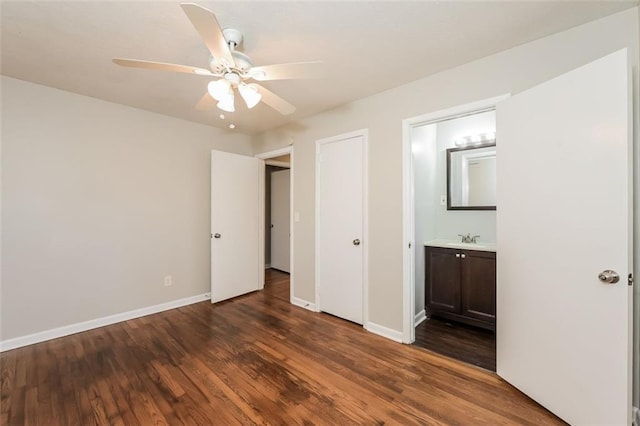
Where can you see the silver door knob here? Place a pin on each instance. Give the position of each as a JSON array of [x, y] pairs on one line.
[[609, 277], [356, 242], [216, 235]]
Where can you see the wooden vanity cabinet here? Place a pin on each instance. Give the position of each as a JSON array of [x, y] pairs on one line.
[[460, 285]]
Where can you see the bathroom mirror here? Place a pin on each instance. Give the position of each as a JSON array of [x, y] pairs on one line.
[[471, 178]]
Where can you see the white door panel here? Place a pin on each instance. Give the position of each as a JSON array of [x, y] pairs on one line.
[[236, 206], [564, 180], [340, 216], [280, 226]]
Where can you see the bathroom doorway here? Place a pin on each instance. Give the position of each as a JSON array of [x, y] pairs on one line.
[[452, 165]]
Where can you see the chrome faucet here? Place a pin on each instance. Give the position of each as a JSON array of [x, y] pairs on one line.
[[468, 238]]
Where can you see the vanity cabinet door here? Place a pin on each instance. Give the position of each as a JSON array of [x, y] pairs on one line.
[[442, 280], [478, 285]]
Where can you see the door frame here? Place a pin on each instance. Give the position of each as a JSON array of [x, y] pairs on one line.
[[364, 133], [408, 201], [265, 156]]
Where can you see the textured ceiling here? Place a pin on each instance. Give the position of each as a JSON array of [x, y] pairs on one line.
[[366, 47]]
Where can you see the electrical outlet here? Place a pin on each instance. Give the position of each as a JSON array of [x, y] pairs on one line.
[[443, 200], [168, 281]]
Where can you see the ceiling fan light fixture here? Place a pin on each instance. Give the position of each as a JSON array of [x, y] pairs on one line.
[[250, 94], [227, 103], [219, 89]]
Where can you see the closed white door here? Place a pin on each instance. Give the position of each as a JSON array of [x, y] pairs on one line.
[[340, 226], [280, 221], [564, 185], [237, 205]]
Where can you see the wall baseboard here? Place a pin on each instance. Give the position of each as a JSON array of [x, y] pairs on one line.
[[635, 417], [303, 304], [420, 316], [267, 265], [30, 339], [383, 331]]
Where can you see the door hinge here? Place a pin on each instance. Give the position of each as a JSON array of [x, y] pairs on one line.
[[211, 236], [630, 279]]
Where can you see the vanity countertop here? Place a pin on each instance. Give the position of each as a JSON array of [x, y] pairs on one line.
[[455, 244]]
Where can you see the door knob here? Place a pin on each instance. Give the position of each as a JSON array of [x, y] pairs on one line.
[[356, 242], [609, 277], [216, 235]]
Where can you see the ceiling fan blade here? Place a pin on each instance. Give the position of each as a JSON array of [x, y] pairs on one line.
[[206, 103], [134, 63], [207, 26], [286, 71], [275, 101]]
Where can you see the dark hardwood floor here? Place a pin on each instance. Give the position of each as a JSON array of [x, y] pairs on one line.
[[253, 360], [276, 284], [462, 342]]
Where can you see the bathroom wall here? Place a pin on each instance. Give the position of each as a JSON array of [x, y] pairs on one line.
[[450, 223]]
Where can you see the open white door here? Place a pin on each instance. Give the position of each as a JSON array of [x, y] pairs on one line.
[[237, 261], [280, 222], [564, 216]]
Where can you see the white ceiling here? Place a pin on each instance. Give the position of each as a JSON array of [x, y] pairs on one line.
[[366, 46]]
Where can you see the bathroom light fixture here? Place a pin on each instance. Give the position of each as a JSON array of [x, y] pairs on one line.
[[479, 139]]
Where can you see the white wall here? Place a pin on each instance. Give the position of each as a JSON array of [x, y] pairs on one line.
[[510, 71], [454, 222], [100, 202], [424, 148]]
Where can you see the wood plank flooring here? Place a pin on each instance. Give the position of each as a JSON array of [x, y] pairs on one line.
[[462, 342], [253, 360]]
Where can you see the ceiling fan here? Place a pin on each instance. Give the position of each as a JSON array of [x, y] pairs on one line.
[[232, 67]]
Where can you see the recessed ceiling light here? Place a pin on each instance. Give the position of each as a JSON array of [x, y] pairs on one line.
[[222, 116], [232, 126]]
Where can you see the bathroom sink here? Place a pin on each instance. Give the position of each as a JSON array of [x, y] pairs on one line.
[[467, 245]]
